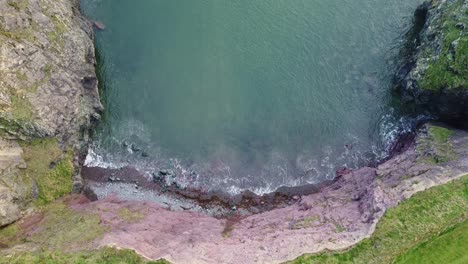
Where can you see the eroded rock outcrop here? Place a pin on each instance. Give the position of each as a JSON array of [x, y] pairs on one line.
[[436, 73], [48, 85], [11, 189]]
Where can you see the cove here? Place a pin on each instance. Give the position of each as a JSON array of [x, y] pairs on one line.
[[236, 95]]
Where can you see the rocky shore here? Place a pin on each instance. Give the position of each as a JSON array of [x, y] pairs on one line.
[[335, 218], [49, 102]]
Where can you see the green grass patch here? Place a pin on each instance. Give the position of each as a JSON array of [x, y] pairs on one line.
[[49, 167], [129, 215], [18, 4], [418, 220], [56, 36], [435, 147], [101, 256], [63, 228], [449, 247], [450, 69], [440, 135], [306, 222], [55, 227], [23, 34], [21, 108]]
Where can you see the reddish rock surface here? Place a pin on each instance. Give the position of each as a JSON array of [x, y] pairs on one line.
[[337, 217]]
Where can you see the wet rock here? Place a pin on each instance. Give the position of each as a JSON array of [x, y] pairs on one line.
[[166, 173], [114, 179], [135, 148], [158, 177], [343, 171], [98, 25]]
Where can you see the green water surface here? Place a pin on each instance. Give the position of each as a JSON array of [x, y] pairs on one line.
[[247, 94]]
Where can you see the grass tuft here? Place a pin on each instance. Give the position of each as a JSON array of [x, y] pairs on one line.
[[54, 227], [49, 168], [129, 216], [435, 147]]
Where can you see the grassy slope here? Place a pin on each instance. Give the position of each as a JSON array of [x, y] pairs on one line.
[[102, 256], [54, 227], [49, 167], [449, 247], [411, 230], [54, 236]]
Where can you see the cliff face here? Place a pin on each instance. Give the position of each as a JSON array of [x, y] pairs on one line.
[[48, 99], [48, 89], [48, 85], [436, 76]]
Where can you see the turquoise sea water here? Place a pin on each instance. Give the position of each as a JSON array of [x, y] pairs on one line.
[[247, 94]]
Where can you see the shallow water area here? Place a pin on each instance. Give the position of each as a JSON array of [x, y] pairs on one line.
[[236, 95]]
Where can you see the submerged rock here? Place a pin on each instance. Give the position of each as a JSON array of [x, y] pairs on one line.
[[99, 25], [135, 148]]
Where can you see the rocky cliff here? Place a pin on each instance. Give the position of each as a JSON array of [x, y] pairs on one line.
[[435, 74], [48, 90], [49, 99]]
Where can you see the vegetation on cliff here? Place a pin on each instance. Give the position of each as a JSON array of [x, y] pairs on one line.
[[448, 66], [59, 234], [48, 100], [104, 256], [56, 226], [430, 225], [49, 168], [434, 146]]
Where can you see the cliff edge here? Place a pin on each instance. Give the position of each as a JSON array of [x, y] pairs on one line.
[[48, 98]]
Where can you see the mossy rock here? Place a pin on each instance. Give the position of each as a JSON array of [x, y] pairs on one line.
[[49, 167], [434, 146], [448, 68]]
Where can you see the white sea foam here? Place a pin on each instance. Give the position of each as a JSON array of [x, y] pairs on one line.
[[312, 167], [95, 160]]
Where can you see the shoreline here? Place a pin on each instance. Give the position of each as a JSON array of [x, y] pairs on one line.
[[206, 227], [217, 203], [337, 217]]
